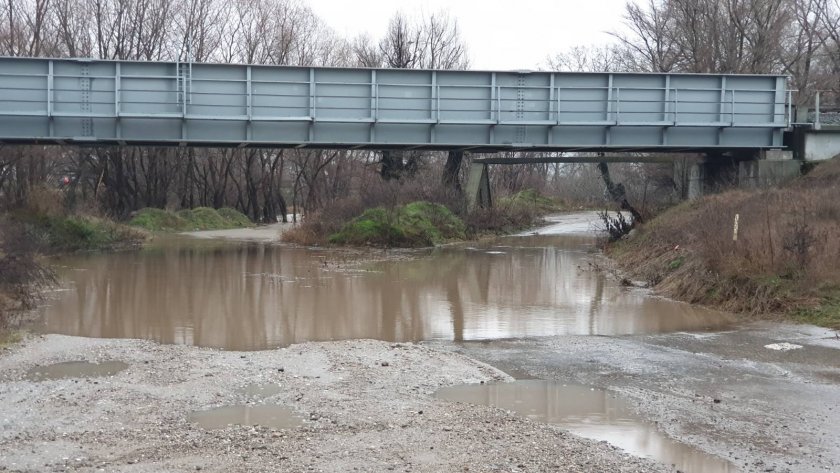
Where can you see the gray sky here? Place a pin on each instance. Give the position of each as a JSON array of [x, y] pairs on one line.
[[500, 34]]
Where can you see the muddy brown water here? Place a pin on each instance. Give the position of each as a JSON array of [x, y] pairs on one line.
[[251, 296], [588, 412], [268, 415], [75, 369]]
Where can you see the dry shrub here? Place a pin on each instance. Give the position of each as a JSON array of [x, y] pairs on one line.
[[786, 252], [501, 218], [22, 277], [43, 200]]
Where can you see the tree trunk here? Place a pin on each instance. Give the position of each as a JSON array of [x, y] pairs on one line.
[[618, 194], [452, 170], [392, 165]]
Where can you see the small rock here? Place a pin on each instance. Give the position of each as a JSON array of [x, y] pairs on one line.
[[281, 370], [716, 401], [385, 363]]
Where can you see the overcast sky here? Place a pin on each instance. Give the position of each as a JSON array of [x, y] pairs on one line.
[[500, 34]]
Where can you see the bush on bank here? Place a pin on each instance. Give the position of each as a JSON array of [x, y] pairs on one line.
[[783, 262], [200, 218], [418, 224], [22, 276], [67, 233]]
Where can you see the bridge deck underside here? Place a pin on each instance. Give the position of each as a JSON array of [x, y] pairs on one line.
[[155, 103]]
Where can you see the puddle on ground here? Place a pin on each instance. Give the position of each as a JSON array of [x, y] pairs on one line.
[[590, 413], [75, 369], [272, 416], [260, 390]]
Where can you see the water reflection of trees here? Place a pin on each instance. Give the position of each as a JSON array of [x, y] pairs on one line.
[[243, 296]]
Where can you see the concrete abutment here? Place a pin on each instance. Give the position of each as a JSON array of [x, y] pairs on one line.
[[696, 177]]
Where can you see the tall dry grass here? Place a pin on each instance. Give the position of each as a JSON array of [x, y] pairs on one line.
[[786, 254]]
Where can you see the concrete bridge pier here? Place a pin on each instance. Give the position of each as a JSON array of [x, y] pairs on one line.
[[478, 186], [774, 167], [695, 177]]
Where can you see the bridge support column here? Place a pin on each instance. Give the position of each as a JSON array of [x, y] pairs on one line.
[[697, 177], [774, 167], [689, 178], [478, 187]]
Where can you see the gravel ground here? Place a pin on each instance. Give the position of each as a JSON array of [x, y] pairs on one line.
[[725, 393], [367, 406]]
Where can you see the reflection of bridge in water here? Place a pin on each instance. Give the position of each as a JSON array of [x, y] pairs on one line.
[[96, 102]]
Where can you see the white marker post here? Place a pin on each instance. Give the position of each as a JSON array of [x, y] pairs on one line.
[[735, 228]]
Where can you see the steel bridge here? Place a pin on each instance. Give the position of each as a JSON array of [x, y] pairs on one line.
[[92, 102]]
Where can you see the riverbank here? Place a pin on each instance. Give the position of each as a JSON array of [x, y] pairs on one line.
[[767, 254], [364, 404]]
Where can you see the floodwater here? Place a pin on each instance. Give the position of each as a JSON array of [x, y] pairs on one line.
[[243, 295], [268, 415], [590, 413], [75, 369]]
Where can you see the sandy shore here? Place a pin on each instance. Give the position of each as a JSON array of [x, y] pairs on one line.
[[366, 405]]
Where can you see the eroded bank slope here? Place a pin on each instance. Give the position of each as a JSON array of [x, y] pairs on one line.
[[766, 253]]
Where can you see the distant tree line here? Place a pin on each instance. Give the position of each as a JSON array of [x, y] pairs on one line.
[[796, 37], [264, 184]]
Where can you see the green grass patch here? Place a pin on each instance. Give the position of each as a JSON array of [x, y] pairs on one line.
[[57, 234], [158, 220], [676, 263], [188, 220], [10, 337], [825, 314], [418, 224]]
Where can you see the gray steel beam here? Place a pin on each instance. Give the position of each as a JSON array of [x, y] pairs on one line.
[[167, 103], [577, 159]]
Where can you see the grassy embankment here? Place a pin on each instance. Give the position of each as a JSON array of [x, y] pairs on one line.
[[420, 224], [188, 220], [785, 262]]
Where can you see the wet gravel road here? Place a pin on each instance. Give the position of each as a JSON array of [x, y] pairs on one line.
[[725, 393], [365, 405]]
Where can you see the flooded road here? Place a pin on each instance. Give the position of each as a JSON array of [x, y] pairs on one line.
[[250, 296]]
